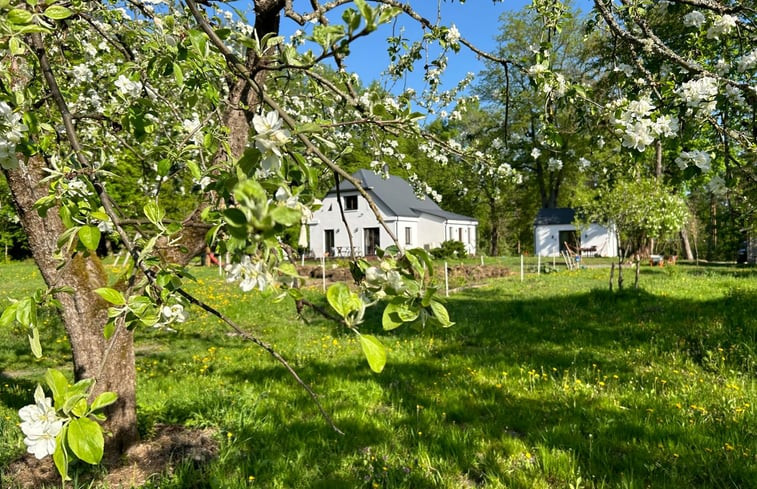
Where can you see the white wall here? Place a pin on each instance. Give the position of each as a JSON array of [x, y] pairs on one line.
[[605, 240], [425, 231], [546, 239]]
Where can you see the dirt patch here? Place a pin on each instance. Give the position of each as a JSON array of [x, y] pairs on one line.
[[170, 446]]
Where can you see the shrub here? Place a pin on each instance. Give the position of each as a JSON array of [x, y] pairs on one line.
[[450, 249]]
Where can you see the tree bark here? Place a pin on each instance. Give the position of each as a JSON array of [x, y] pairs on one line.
[[493, 222], [686, 244], [83, 312]]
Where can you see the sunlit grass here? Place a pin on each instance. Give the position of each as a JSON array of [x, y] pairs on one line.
[[552, 382]]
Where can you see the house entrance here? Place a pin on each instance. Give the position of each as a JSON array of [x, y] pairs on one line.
[[328, 242], [371, 240], [571, 239]]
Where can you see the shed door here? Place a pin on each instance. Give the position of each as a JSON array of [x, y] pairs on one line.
[[571, 238]]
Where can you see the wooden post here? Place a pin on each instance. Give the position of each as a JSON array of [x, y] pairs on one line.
[[638, 271], [538, 266], [446, 280], [482, 259], [323, 273]]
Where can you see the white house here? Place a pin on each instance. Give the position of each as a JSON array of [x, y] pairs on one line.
[[554, 228], [416, 223]]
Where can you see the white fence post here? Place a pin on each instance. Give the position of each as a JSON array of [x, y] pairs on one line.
[[521, 268]]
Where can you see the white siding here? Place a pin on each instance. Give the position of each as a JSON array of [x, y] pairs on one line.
[[546, 239]]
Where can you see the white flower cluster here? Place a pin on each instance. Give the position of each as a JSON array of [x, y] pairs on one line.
[[11, 132], [637, 128], [269, 140], [748, 61], [173, 314], [251, 274], [554, 164], [378, 277], [452, 35], [127, 87], [40, 424], [695, 157], [721, 26], [717, 185], [694, 19], [699, 94]]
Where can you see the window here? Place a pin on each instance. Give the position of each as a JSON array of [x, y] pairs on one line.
[[408, 236], [350, 203]]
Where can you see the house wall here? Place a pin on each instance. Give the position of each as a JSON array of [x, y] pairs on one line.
[[546, 239], [329, 217], [463, 231], [751, 250], [605, 240], [431, 231], [426, 231]]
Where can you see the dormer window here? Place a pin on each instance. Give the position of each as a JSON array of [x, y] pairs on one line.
[[350, 203]]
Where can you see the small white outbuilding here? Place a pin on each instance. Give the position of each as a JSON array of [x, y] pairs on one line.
[[555, 231], [415, 222]]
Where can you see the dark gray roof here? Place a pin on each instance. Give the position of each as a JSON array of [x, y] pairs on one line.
[[547, 217], [397, 195]]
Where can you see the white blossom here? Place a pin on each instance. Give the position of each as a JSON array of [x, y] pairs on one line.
[[695, 157], [535, 153], [699, 93], [694, 18], [748, 61], [452, 35], [174, 313], [722, 25], [40, 424], [555, 164], [717, 185], [128, 87]]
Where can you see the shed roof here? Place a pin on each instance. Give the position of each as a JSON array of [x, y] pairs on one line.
[[550, 217], [398, 196]]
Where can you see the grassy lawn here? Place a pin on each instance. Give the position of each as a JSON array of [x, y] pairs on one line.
[[552, 382]]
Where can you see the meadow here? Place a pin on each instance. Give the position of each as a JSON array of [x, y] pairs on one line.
[[552, 382]]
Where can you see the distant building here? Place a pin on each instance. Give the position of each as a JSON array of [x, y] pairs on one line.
[[554, 231], [416, 223]]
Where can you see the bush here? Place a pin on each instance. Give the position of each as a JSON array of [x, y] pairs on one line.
[[450, 249]]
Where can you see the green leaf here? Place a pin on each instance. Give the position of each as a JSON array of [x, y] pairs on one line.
[[109, 329], [374, 352], [85, 437], [89, 237], [9, 314], [57, 12], [19, 16], [104, 399], [72, 404], [60, 456], [111, 295], [440, 313], [154, 213], [285, 215], [178, 75], [26, 312], [58, 385], [343, 300], [34, 343], [398, 313]]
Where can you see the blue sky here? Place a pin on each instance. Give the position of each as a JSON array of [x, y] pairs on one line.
[[477, 20]]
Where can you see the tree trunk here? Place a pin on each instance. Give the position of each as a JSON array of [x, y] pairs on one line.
[[712, 241], [612, 272], [638, 272], [494, 242], [686, 245], [83, 312]]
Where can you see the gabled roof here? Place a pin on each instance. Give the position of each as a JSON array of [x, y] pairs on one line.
[[398, 196], [549, 217]]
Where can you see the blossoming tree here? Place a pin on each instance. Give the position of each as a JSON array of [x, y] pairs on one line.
[[190, 95]]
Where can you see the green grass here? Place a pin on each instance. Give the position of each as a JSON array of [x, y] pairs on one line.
[[548, 383]]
